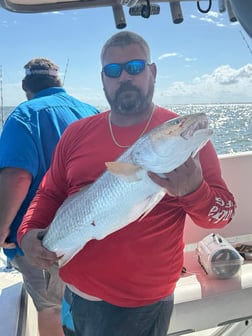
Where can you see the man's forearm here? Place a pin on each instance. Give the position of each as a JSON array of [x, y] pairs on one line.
[[14, 185]]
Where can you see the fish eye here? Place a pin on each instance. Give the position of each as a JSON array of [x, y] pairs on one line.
[[176, 121]]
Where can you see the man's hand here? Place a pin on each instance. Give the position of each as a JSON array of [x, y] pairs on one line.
[[3, 236], [182, 180], [34, 251]]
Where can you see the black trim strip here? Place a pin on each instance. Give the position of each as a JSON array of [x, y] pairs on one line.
[[22, 317]]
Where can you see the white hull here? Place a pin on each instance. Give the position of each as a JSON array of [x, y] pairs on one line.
[[17, 314], [201, 303]]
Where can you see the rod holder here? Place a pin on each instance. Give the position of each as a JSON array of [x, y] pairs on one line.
[[176, 12], [119, 16], [231, 14], [222, 6]]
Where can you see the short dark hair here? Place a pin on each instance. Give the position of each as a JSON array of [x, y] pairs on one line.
[[125, 38], [41, 73]]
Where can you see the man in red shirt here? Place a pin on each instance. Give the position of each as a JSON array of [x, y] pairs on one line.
[[123, 284]]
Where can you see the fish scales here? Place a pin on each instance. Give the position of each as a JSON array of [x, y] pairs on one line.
[[124, 192]]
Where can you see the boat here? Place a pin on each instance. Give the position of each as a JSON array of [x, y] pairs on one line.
[[205, 305], [237, 10]]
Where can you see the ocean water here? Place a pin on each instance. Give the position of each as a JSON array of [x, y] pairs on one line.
[[231, 124]]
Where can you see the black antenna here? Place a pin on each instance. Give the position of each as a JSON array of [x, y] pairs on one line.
[[65, 71], [250, 50]]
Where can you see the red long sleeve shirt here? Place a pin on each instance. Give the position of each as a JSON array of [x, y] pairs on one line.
[[142, 262]]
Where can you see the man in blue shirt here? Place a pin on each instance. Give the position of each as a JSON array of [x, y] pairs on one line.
[[27, 143]]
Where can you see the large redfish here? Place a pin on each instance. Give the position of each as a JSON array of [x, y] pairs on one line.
[[124, 192]]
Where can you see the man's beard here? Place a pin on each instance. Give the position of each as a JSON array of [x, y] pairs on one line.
[[129, 99]]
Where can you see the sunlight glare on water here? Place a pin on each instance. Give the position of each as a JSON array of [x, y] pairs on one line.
[[231, 124]]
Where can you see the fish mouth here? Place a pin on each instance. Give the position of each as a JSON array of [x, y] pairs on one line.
[[190, 131]]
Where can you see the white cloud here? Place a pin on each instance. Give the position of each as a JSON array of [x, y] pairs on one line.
[[213, 14], [213, 17], [53, 13], [223, 85], [189, 59], [168, 55], [177, 55]]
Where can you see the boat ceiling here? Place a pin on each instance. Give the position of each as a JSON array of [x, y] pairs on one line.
[[33, 6], [36, 6], [237, 10]]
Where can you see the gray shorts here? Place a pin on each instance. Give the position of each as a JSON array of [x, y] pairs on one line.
[[45, 287]]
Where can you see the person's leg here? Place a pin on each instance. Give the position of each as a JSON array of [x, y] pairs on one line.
[[161, 324], [49, 322], [98, 318], [68, 332], [46, 291], [66, 316]]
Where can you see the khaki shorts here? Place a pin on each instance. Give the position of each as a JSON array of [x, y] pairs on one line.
[[45, 287]]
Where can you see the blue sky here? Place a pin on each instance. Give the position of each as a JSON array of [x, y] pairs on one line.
[[205, 59]]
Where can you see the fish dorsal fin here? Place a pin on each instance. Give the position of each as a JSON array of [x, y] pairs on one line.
[[124, 170]]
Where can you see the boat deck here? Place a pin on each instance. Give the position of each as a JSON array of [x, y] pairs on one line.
[[18, 315], [202, 301]]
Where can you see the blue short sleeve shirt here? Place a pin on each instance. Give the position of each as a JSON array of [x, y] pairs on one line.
[[30, 135]]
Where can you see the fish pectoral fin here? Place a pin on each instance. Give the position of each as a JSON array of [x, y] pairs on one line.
[[124, 170], [62, 259], [153, 200], [66, 255]]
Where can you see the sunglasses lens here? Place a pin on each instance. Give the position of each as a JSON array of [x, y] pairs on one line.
[[113, 70], [135, 67]]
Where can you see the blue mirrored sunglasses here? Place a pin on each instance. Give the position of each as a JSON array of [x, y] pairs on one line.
[[133, 67]]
